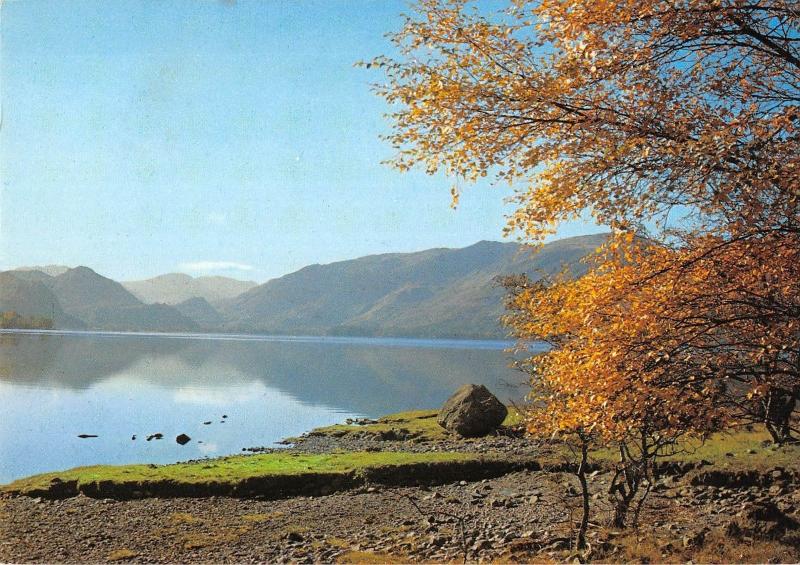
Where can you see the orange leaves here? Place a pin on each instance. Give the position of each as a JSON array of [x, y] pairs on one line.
[[651, 340], [681, 117], [611, 357], [624, 107]]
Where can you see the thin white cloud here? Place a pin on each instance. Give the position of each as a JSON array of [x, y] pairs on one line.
[[207, 266]]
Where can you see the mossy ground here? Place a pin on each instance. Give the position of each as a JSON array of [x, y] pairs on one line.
[[420, 424], [742, 448], [231, 470], [746, 448]]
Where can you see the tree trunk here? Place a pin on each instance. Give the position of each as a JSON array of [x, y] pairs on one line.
[[778, 412], [581, 541]]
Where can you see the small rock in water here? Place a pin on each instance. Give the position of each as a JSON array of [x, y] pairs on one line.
[[155, 436], [183, 439], [206, 423], [133, 437], [224, 415], [84, 436]]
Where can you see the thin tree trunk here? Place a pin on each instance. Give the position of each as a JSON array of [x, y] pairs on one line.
[[581, 541]]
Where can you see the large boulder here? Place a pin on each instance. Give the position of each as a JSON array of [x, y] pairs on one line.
[[472, 411]]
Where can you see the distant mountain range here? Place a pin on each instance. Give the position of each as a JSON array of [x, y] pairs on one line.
[[432, 293], [79, 298], [175, 288]]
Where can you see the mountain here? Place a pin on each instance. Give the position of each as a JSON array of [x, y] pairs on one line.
[[50, 270], [31, 275], [142, 317], [174, 288], [432, 293], [104, 304], [201, 312], [30, 297], [81, 290]]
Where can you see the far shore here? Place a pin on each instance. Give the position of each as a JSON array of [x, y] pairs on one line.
[[433, 342]]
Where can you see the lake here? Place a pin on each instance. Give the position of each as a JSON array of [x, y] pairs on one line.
[[254, 391]]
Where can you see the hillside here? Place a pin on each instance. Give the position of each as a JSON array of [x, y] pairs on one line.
[[81, 298], [201, 312], [174, 288], [49, 270], [29, 296], [104, 304], [80, 291], [432, 293]]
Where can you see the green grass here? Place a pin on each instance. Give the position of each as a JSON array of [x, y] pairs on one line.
[[740, 442], [421, 424], [232, 470], [740, 449]]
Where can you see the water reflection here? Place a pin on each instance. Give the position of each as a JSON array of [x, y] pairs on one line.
[[54, 387]]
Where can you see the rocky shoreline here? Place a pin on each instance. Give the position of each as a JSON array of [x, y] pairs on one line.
[[518, 516]]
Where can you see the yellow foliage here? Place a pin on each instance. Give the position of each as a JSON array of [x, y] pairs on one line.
[[681, 117]]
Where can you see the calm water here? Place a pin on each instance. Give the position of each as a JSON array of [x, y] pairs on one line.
[[57, 385]]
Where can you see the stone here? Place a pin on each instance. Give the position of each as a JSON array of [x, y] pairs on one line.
[[472, 411], [183, 439], [294, 536]]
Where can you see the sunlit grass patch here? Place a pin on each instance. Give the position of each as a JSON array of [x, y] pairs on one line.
[[259, 518], [230, 471], [121, 555], [419, 424], [740, 448], [334, 541]]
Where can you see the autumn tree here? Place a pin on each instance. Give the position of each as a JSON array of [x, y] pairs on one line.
[[675, 121], [11, 319], [608, 373], [639, 112]]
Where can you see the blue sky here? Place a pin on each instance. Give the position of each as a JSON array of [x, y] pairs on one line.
[[210, 137]]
